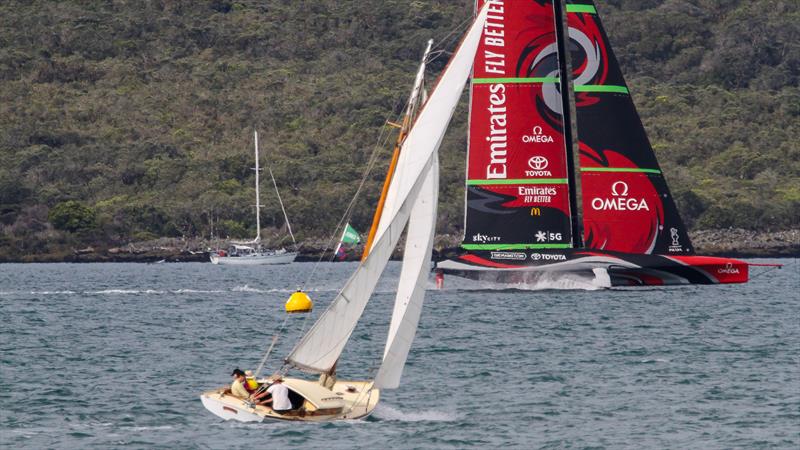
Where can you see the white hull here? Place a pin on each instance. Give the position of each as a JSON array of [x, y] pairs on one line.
[[254, 260], [230, 410], [348, 400]]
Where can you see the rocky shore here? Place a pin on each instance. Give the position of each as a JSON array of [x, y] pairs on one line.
[[739, 243], [728, 242]]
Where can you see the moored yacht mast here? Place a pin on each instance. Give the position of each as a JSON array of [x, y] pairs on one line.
[[258, 197]]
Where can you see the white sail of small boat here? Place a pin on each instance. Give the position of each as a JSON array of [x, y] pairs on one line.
[[411, 200], [249, 253]]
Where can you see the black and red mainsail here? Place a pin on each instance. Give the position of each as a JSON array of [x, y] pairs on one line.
[[627, 205], [521, 217], [518, 193]]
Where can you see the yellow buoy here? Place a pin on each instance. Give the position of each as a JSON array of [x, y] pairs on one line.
[[299, 302]]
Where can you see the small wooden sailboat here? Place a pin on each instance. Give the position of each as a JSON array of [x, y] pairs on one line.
[[523, 220], [410, 198], [251, 253]]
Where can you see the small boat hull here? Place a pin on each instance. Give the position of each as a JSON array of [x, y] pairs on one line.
[[228, 409], [622, 269], [254, 260], [347, 400]]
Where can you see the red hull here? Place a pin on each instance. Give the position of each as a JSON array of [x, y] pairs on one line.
[[623, 269]]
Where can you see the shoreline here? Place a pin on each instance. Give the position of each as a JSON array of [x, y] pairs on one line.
[[732, 243]]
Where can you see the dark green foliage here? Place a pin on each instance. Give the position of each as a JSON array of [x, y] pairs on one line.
[[144, 111], [72, 216]]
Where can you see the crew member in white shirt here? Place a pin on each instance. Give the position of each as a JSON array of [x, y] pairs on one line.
[[279, 397]]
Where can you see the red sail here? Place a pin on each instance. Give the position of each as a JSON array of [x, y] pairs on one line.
[[627, 206], [517, 189]]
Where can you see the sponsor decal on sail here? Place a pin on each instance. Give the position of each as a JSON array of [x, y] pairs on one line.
[[494, 36], [536, 194], [547, 236], [676, 243], [482, 238], [495, 63], [619, 200], [498, 133], [537, 137], [538, 164]]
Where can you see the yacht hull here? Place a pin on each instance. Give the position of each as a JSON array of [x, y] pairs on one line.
[[255, 260], [607, 268], [347, 400]]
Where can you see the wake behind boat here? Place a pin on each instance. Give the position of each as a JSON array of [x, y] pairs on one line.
[[251, 253], [408, 200]]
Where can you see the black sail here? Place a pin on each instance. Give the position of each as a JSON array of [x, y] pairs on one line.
[[626, 203]]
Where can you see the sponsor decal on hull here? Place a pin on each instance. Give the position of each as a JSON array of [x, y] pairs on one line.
[[548, 257], [516, 256], [729, 269]]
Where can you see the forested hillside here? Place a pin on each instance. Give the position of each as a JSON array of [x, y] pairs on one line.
[[125, 121]]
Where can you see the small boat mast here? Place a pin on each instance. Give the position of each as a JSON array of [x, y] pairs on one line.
[[411, 110]]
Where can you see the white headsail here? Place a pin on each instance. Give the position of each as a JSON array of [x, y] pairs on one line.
[[416, 261], [413, 277], [320, 348]]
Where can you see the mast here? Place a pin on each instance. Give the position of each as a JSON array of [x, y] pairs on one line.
[[564, 81], [407, 117], [320, 348], [258, 199]]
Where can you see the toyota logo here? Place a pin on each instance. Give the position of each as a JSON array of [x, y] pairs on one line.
[[538, 163]]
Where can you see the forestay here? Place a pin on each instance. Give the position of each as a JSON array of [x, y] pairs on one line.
[[320, 348]]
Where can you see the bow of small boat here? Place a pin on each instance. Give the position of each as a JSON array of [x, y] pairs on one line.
[[228, 407]]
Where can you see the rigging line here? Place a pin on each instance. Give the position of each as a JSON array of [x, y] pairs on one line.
[[453, 34], [444, 43], [271, 346], [379, 145], [367, 391], [766, 271], [348, 211], [346, 216], [286, 217]]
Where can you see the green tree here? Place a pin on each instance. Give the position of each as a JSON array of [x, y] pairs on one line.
[[72, 216]]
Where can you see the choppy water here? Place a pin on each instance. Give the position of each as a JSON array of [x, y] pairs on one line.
[[115, 355]]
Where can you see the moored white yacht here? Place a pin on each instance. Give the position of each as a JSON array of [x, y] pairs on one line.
[[251, 253]]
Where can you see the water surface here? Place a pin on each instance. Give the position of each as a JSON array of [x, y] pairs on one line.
[[115, 355]]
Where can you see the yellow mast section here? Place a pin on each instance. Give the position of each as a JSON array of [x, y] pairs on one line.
[[392, 166], [411, 111]]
